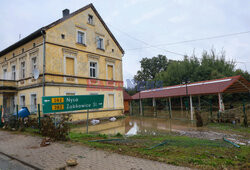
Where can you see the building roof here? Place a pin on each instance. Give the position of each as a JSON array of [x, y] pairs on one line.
[[236, 84], [126, 96], [38, 32]]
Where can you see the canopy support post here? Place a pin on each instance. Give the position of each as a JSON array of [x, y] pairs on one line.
[[154, 106], [141, 108], [170, 107], [191, 108], [199, 101], [221, 104]]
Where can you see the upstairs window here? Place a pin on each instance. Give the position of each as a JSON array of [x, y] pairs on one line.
[[90, 19], [5, 73], [80, 37], [33, 63], [22, 70], [13, 72], [93, 69], [100, 43], [70, 66], [110, 72]]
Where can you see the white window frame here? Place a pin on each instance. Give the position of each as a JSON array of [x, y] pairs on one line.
[[22, 73], [110, 64], [84, 38], [96, 68], [20, 97], [103, 44], [5, 73], [33, 64], [35, 108], [114, 101], [13, 77]]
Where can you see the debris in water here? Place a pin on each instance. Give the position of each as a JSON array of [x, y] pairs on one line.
[[95, 121], [112, 119]]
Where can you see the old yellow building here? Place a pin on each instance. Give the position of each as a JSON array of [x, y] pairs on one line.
[[75, 55]]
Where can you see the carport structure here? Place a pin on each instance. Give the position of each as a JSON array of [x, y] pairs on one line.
[[236, 84]]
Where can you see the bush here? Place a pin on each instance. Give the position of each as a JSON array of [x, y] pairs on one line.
[[56, 130]]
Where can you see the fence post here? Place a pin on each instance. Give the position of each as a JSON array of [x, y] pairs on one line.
[[87, 122], [245, 115], [1, 123], [17, 111], [39, 117]]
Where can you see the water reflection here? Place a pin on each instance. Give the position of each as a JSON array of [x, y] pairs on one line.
[[137, 125]]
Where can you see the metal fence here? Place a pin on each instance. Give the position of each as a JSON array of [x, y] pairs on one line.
[[208, 111]]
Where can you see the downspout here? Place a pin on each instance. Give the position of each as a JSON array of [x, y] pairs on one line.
[[44, 49]]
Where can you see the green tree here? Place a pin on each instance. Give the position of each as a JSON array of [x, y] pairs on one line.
[[150, 67]]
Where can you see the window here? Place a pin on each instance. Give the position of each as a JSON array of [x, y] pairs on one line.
[[33, 106], [5, 73], [80, 37], [90, 19], [63, 36], [22, 101], [100, 43], [70, 93], [22, 50], [13, 54], [93, 69], [34, 44], [33, 63], [70, 66], [111, 100], [22, 70], [13, 72], [110, 72]]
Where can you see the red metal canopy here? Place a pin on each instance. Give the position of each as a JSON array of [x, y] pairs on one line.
[[236, 84]]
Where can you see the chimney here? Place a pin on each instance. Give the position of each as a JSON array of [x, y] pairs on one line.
[[65, 12]]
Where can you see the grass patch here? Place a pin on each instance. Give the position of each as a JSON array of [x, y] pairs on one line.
[[229, 127], [179, 150]]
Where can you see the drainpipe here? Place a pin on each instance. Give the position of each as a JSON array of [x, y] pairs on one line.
[[44, 49]]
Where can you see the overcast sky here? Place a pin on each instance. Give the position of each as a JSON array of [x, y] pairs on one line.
[[140, 23]]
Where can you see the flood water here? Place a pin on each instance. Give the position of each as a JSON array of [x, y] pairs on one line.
[[133, 125]]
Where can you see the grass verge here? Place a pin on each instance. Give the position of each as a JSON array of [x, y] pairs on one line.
[[178, 150]]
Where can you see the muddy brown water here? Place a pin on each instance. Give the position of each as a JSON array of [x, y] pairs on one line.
[[133, 125]]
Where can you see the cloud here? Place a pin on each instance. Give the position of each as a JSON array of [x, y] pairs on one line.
[[177, 19], [148, 15]]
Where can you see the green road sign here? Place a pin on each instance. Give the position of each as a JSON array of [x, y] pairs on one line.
[[53, 104]]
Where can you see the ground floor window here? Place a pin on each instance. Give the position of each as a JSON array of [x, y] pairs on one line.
[[22, 101], [33, 106]]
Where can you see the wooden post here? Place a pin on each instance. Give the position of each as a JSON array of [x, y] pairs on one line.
[[221, 104], [141, 107], [199, 101], [130, 107], [170, 108], [191, 108], [154, 106], [181, 106]]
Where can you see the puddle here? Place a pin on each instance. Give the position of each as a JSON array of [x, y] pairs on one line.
[[136, 125]]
